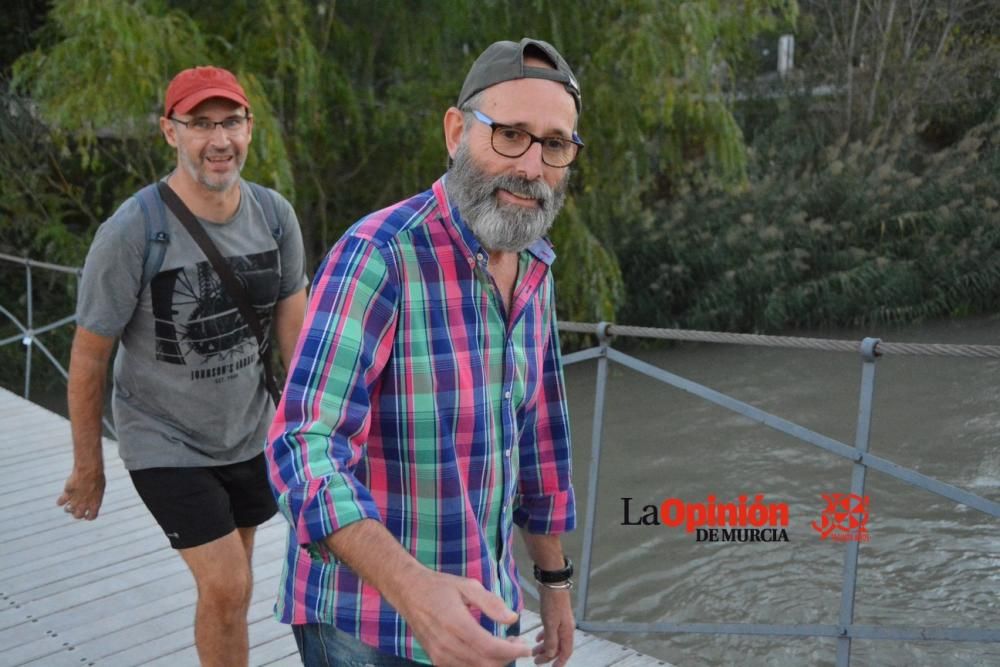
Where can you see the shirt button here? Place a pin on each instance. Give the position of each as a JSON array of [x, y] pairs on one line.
[[506, 395], [507, 453], [479, 257]]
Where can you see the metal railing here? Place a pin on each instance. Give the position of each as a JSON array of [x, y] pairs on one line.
[[28, 334], [858, 454]]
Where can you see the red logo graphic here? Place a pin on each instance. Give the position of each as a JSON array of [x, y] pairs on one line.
[[712, 521], [845, 518]]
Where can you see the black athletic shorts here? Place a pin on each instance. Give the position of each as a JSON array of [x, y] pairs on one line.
[[197, 505]]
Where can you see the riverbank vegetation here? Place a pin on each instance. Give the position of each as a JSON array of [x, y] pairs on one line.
[[878, 230], [858, 187], [871, 192]]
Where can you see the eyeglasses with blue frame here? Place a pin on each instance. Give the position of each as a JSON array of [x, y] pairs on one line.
[[509, 141]]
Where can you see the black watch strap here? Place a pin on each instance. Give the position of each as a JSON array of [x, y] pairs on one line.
[[555, 576]]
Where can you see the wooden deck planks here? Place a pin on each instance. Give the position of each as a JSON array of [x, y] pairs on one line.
[[111, 592]]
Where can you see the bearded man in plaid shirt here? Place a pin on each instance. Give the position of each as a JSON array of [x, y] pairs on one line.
[[425, 414]]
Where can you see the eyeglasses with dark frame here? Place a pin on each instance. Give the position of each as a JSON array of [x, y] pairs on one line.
[[231, 125], [509, 141]]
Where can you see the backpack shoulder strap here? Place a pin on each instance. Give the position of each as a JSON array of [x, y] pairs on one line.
[[154, 214], [266, 197]]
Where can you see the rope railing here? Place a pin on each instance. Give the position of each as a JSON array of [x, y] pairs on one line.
[[24, 261], [694, 335], [790, 342]]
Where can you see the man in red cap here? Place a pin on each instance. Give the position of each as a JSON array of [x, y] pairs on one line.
[[190, 404]]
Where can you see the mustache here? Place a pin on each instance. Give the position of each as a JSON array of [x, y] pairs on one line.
[[522, 186]]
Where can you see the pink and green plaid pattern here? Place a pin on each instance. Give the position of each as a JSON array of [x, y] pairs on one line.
[[415, 400]]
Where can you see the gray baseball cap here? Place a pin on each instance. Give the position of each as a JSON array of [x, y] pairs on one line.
[[504, 61]]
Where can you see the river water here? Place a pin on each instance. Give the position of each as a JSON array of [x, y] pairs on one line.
[[929, 562]]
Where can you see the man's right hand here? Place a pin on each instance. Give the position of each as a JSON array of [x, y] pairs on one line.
[[439, 608], [83, 493], [88, 371]]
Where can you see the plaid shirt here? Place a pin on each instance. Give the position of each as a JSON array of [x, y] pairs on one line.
[[413, 399]]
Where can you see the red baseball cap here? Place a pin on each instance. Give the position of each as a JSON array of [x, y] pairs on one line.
[[193, 86]]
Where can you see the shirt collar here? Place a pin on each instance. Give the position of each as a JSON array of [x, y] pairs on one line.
[[463, 237]]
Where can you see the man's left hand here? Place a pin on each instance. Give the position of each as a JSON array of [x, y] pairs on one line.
[[555, 641]]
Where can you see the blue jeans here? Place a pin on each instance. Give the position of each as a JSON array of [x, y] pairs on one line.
[[323, 645]]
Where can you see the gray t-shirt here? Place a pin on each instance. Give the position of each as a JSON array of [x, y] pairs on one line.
[[188, 384]]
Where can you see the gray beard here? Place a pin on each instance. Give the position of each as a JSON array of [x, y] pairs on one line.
[[501, 227]]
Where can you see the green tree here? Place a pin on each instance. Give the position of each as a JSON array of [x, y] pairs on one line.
[[125, 52], [935, 59], [348, 99]]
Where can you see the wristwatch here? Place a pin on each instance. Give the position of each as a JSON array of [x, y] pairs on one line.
[[557, 579]]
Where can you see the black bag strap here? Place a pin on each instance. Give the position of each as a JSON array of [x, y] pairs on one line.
[[229, 280]]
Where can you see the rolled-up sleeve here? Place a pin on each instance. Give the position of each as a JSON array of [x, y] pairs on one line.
[[545, 502], [321, 427]]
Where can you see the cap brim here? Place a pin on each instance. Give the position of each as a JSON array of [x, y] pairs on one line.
[[194, 99]]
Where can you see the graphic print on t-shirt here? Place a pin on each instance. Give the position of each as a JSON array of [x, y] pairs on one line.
[[198, 323]]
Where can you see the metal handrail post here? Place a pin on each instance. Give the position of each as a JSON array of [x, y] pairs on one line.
[[595, 465], [869, 355], [28, 336]]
